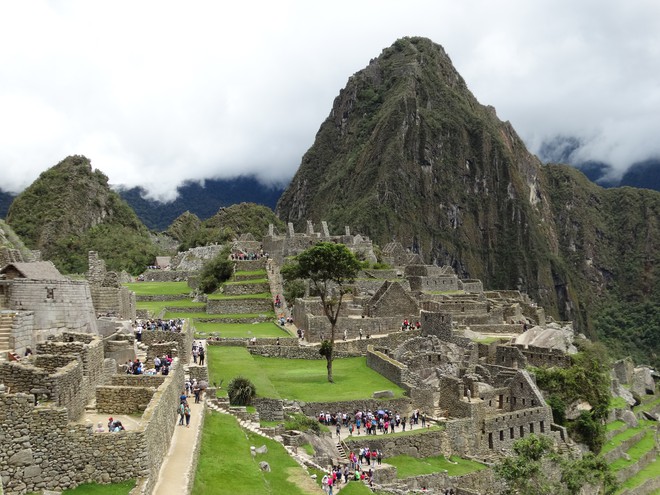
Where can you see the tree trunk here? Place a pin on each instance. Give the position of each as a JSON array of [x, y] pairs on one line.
[[329, 366]]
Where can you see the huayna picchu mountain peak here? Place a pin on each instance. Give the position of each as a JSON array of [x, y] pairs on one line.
[[408, 153]]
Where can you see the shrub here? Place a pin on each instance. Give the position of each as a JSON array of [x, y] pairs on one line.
[[241, 391], [215, 272], [300, 422]]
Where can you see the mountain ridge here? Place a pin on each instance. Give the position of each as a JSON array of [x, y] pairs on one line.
[[407, 152]]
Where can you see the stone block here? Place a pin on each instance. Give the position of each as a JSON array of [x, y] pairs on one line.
[[383, 394]]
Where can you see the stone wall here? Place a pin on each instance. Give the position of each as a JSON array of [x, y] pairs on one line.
[[54, 454], [403, 405], [290, 352], [269, 409], [22, 333], [471, 285], [69, 308], [424, 444], [114, 301], [235, 306], [112, 399], [501, 431], [183, 339], [167, 275], [542, 356], [318, 326], [433, 284], [236, 289]]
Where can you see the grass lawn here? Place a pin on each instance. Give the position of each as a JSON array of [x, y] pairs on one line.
[[155, 307], [410, 466], [226, 466], [208, 316], [156, 288], [225, 330], [298, 379], [615, 425], [248, 281], [260, 295], [356, 488], [95, 489]]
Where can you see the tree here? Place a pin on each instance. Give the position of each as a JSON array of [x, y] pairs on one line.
[[327, 266], [241, 391], [215, 272]]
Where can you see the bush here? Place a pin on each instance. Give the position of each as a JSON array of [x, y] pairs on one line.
[[300, 422], [215, 272], [241, 391]]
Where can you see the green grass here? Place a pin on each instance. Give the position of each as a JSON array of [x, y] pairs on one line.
[[617, 403], [619, 438], [650, 471], [245, 330], [122, 488], [158, 288], [298, 379], [249, 273], [307, 447], [615, 425], [260, 295], [209, 316], [635, 452], [487, 340], [648, 405], [408, 466], [248, 281], [155, 307], [356, 488], [226, 466]]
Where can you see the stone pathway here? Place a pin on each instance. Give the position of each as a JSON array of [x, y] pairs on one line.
[[177, 471]]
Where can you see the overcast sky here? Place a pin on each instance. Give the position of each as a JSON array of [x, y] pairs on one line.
[[158, 92]]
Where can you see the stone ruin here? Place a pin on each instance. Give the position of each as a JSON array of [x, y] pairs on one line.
[[280, 246]]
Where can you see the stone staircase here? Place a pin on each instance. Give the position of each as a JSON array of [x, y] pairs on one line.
[[6, 322], [343, 450]]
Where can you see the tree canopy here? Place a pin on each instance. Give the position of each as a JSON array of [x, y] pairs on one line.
[[329, 267]]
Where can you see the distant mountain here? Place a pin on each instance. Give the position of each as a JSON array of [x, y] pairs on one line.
[[561, 149], [408, 153], [70, 210], [203, 201], [5, 201]]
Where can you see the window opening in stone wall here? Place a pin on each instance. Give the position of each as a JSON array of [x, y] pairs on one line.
[[50, 293], [490, 440], [542, 426], [500, 402], [522, 431], [511, 432], [523, 401], [501, 435], [531, 427]]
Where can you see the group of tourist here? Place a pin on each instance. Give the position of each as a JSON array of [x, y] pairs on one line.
[[171, 325], [198, 353], [365, 455], [338, 475], [184, 410], [137, 367], [409, 325], [241, 256], [193, 387], [381, 421]]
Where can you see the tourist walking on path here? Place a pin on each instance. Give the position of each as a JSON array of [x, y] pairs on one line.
[[201, 355], [182, 412], [186, 412]]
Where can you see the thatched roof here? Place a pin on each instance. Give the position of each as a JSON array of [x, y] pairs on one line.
[[37, 270]]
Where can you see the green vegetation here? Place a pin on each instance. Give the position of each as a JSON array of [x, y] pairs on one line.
[[408, 466], [215, 272], [300, 422], [156, 307], [240, 330], [635, 452], [297, 379], [260, 295], [123, 488], [70, 210], [588, 380], [536, 470], [648, 472], [241, 391], [158, 288], [248, 281], [325, 265], [227, 223], [619, 438], [226, 466]]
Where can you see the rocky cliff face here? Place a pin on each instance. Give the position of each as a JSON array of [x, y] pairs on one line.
[[70, 209], [408, 153]]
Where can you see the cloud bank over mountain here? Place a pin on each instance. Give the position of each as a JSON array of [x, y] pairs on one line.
[[157, 93]]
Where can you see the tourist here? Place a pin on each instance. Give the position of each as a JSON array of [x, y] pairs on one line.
[[379, 456], [360, 333], [186, 412], [196, 391], [338, 429], [324, 482], [182, 412], [202, 354], [99, 428], [195, 353]]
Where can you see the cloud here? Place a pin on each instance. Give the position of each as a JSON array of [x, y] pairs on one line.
[[156, 93]]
